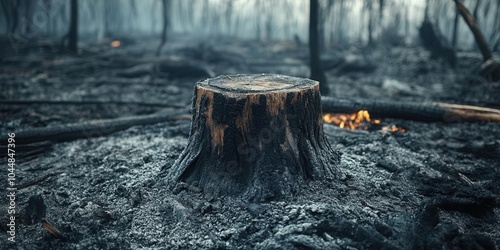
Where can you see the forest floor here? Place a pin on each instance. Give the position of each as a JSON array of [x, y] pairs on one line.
[[434, 186]]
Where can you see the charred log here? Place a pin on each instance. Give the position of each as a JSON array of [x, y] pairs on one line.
[[258, 136], [431, 112]]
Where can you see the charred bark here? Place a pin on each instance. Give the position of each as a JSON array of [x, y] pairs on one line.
[[430, 112], [317, 72], [258, 136], [455, 30]]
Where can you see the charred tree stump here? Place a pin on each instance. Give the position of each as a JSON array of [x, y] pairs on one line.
[[258, 136]]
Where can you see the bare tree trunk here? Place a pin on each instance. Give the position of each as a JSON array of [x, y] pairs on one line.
[[73, 27], [315, 63], [455, 30], [381, 5], [7, 15], [165, 26], [15, 16], [475, 16], [478, 35], [476, 9], [426, 111]]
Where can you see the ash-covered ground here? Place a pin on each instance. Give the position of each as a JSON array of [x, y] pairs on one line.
[[435, 186]]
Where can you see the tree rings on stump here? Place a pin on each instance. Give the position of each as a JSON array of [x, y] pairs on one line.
[[258, 136]]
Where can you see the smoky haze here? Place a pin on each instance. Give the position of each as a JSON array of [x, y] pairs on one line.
[[341, 21]]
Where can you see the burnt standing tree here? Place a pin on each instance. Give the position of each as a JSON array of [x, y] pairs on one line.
[[258, 136], [455, 30], [315, 63], [478, 35], [165, 12], [11, 14], [73, 27]]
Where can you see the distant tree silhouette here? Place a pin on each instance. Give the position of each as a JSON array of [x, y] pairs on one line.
[[315, 63], [73, 27], [165, 7]]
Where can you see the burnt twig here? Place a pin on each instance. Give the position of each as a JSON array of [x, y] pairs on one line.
[[432, 111], [89, 129]]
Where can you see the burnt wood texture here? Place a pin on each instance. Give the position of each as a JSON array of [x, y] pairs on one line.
[[256, 136]]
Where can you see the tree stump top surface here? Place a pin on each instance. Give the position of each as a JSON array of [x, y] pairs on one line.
[[262, 83]]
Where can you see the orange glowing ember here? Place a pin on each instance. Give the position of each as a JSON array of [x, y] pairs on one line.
[[115, 44], [360, 121]]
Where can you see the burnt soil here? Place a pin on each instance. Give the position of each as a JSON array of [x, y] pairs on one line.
[[435, 186]]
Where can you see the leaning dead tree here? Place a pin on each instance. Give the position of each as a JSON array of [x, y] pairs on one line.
[[490, 69], [258, 136]]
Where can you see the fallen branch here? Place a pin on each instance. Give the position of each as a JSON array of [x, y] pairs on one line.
[[89, 129], [50, 102], [431, 112], [490, 69], [478, 35]]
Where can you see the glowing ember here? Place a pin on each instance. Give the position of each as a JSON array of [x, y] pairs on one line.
[[360, 120], [115, 44], [393, 128]]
